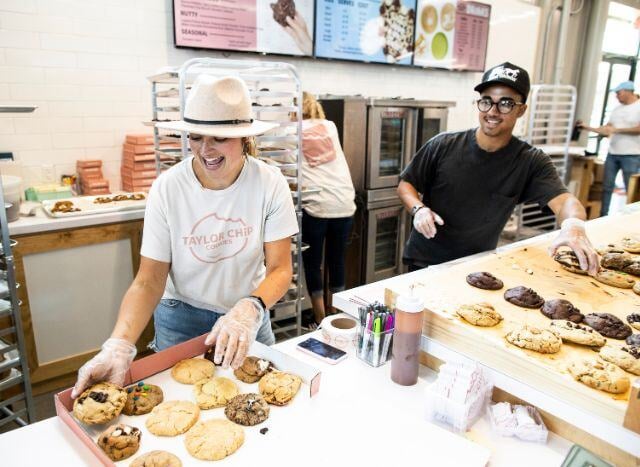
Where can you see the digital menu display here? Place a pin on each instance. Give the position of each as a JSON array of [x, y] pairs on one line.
[[271, 26], [450, 35], [365, 30]]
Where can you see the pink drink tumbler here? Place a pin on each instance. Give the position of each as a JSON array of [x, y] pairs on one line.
[[406, 341]]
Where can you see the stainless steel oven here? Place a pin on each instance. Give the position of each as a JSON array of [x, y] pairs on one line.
[[379, 137]]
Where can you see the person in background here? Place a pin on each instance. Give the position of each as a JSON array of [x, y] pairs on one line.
[[461, 188], [623, 131], [328, 215], [216, 246]]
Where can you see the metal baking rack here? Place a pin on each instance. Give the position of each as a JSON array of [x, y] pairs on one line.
[[16, 400], [551, 116], [276, 95]]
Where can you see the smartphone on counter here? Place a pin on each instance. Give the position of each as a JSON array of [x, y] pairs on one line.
[[319, 349]]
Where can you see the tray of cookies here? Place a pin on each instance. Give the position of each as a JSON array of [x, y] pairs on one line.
[[86, 205], [178, 408]]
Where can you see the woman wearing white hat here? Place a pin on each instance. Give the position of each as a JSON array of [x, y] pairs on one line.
[[216, 245]]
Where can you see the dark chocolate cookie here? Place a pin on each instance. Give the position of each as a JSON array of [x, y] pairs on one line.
[[561, 309], [524, 297], [634, 340], [484, 280], [608, 325], [569, 261], [282, 9]]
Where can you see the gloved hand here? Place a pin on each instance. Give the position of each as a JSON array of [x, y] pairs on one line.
[[110, 364], [234, 333], [425, 222], [573, 235]]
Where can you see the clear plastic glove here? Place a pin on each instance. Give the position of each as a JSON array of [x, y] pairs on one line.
[[234, 333], [425, 222], [110, 364], [573, 235]]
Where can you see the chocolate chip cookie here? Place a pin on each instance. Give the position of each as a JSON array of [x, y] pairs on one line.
[[281, 9], [634, 320], [536, 339], [247, 409], [214, 440], [192, 370], [623, 262], [599, 375], [610, 248], [608, 325], [120, 441], [156, 459], [484, 280], [615, 279], [560, 308], [480, 314], [252, 369], [142, 398], [569, 261], [172, 418], [214, 392], [636, 288], [627, 358], [576, 333], [633, 339], [524, 297], [631, 244], [278, 388], [99, 404]]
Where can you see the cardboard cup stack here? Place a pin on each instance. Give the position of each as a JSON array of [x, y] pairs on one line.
[[92, 182]]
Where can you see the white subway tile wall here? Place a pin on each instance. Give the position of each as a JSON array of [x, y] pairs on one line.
[[84, 63]]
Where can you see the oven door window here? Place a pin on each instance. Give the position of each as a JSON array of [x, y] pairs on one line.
[[391, 146], [386, 241]]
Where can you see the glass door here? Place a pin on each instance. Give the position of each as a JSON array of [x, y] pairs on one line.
[[430, 123], [385, 241], [389, 145]]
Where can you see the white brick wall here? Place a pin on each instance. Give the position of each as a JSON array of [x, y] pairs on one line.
[[84, 64]]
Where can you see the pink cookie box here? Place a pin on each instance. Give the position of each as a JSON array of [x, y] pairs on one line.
[[166, 359]]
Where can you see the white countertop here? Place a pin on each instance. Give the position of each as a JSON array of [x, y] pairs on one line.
[[359, 416], [43, 223]]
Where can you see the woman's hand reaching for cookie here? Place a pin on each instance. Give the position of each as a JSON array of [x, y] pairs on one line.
[[298, 31]]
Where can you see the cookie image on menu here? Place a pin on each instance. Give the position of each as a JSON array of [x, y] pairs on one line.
[[278, 388], [615, 279], [214, 392], [398, 22], [569, 261], [213, 440], [484, 280], [536, 339], [281, 9], [479, 314], [524, 297], [192, 370], [247, 409], [172, 418], [142, 398], [576, 333], [252, 369], [608, 325], [156, 459], [100, 403], [599, 375], [560, 308], [120, 441], [627, 358]]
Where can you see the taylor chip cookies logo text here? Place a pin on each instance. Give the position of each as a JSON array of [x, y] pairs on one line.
[[215, 238]]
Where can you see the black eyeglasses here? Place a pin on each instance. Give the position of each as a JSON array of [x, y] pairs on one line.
[[504, 106]]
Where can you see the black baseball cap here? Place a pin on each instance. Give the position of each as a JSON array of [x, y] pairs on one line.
[[509, 75]]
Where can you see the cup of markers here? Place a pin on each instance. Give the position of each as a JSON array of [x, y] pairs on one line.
[[375, 334]]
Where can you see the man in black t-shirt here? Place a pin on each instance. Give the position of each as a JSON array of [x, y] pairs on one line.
[[470, 182]]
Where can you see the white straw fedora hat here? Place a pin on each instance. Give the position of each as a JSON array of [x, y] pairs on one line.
[[219, 107]]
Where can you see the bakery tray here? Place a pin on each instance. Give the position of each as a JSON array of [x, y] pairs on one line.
[[87, 206], [154, 369]]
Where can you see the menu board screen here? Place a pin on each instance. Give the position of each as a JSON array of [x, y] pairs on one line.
[[271, 26], [365, 30], [450, 35]]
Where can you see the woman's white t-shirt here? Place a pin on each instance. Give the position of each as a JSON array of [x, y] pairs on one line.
[[214, 239]]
